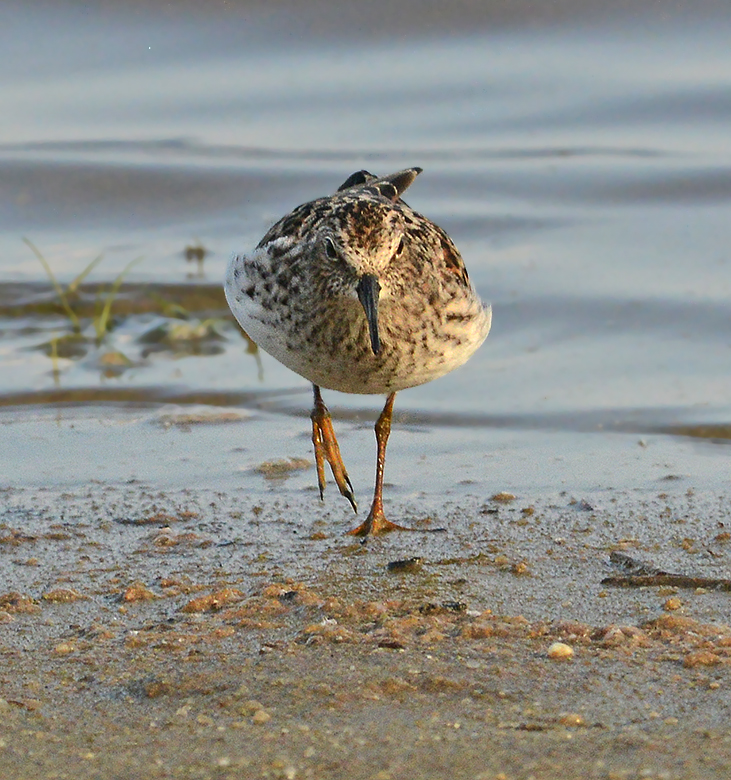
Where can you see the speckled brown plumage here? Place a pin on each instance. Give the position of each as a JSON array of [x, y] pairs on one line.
[[359, 293]]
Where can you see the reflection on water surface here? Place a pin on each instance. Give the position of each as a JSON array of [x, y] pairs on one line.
[[580, 164]]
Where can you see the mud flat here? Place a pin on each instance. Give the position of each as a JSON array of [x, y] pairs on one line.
[[197, 634]]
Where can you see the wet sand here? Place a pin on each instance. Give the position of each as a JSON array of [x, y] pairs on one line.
[[197, 634]]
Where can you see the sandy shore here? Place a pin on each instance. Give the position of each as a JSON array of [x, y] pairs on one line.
[[195, 635]]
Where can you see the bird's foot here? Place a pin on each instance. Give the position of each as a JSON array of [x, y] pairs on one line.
[[327, 449], [377, 523]]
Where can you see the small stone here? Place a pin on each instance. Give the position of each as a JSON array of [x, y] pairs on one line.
[[572, 720], [559, 651], [672, 604], [250, 707], [114, 359], [503, 497], [64, 648], [405, 566], [520, 569], [260, 717]]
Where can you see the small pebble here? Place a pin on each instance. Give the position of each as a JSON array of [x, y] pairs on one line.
[[406, 566], [520, 569], [250, 707], [260, 717], [672, 604], [559, 651], [572, 719], [503, 497]]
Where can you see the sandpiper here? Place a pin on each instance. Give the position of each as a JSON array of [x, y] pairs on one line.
[[357, 292]]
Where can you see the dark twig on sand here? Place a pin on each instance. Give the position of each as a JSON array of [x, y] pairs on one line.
[[641, 575]]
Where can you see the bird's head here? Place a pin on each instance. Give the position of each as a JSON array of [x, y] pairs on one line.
[[363, 239]]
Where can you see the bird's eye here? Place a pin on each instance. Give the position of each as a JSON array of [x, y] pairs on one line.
[[400, 247], [330, 250]]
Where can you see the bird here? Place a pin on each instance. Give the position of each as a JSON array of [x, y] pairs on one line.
[[359, 293]]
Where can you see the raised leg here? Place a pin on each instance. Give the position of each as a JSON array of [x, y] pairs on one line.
[[327, 449], [376, 522]]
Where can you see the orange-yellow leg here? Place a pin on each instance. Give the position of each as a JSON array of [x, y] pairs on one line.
[[376, 522], [326, 448]]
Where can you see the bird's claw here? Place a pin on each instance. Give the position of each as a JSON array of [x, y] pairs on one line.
[[327, 449]]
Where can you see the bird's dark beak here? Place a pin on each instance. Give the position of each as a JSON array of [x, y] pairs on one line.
[[368, 291]]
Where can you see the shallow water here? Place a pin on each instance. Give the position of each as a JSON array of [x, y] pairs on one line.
[[580, 160]]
